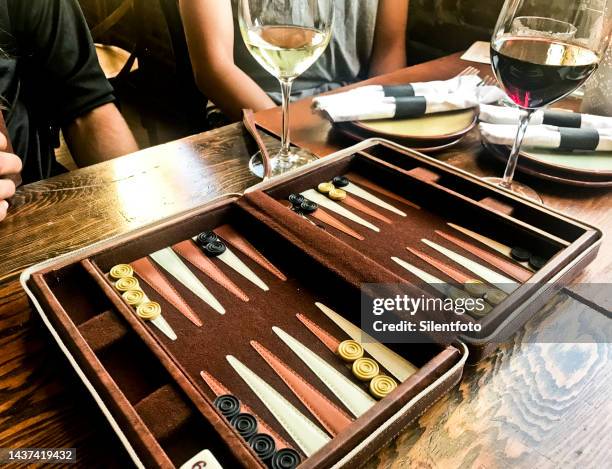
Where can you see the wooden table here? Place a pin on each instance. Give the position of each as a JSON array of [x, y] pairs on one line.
[[529, 404]]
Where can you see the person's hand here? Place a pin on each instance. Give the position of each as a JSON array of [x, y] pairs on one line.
[[10, 168]]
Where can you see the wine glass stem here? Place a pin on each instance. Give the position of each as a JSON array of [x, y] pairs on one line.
[[516, 149], [285, 141]]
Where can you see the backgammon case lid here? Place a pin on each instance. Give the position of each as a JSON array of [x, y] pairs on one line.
[[577, 242]]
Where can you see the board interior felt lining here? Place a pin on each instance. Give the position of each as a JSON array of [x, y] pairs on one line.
[[168, 414], [507, 233], [117, 372], [201, 348]]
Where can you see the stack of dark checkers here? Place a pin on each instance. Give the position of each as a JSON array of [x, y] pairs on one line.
[[232, 335]]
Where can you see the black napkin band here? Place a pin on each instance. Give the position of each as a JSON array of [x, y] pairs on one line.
[[563, 119], [398, 91], [410, 107], [579, 139]]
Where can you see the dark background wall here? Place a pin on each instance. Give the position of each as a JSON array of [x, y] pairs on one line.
[[438, 27]]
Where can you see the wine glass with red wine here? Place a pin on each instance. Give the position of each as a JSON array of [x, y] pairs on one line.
[[541, 52]]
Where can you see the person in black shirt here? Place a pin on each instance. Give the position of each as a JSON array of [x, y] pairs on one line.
[[50, 79]]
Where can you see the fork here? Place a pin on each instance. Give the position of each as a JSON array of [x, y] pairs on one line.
[[488, 81], [467, 72]]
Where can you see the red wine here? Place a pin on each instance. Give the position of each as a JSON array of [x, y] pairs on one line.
[[536, 71]]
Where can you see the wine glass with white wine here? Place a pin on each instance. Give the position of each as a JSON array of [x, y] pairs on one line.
[[286, 37]]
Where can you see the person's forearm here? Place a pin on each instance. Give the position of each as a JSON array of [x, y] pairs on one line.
[[209, 30], [100, 135], [389, 50], [393, 59], [233, 90]]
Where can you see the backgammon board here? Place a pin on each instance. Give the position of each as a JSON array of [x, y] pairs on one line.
[[231, 335]]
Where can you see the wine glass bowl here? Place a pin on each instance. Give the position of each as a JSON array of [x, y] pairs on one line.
[[537, 64], [285, 37], [285, 51], [542, 52]]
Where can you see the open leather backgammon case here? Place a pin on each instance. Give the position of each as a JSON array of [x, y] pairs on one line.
[[234, 328]]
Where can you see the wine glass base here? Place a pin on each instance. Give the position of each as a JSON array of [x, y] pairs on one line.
[[517, 188], [280, 166]]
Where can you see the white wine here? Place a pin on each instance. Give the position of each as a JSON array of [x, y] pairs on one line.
[[285, 51]]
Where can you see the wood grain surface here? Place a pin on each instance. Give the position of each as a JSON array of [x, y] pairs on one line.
[[42, 402], [73, 210], [530, 404]]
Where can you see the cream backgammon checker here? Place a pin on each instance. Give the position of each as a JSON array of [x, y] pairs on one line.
[[339, 195], [354, 398], [332, 195], [157, 268], [345, 184], [351, 352], [399, 367], [121, 276], [153, 276]]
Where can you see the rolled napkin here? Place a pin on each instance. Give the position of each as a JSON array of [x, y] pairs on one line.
[[366, 108], [510, 115], [550, 137], [397, 91]]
